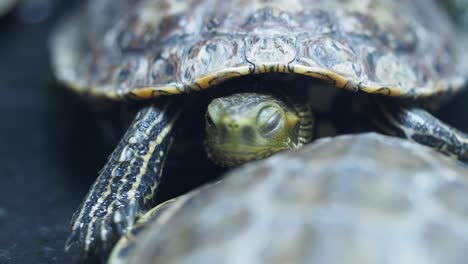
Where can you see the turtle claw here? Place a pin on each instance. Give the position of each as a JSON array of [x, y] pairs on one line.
[[97, 233]]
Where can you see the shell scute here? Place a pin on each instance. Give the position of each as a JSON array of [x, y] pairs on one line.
[[316, 22], [167, 66], [388, 69], [212, 55], [335, 56], [264, 50]]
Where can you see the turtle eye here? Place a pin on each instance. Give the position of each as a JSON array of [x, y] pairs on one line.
[[269, 120], [209, 120]]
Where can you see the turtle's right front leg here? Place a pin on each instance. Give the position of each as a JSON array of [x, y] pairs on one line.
[[126, 185], [414, 123]]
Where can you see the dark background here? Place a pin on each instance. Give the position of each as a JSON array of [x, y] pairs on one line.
[[51, 143]]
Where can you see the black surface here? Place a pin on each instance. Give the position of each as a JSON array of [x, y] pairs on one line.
[[51, 149], [52, 145], [41, 155]]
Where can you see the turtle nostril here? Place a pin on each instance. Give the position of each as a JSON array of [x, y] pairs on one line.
[[233, 125]]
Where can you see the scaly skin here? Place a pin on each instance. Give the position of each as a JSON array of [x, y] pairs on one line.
[[126, 185], [415, 124], [250, 126]]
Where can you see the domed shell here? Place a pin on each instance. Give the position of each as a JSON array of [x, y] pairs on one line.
[[350, 199], [147, 48]]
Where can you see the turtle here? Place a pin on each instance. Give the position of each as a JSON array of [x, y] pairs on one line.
[[263, 57], [362, 198]]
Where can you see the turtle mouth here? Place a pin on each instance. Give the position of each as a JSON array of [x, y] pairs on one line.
[[231, 155]]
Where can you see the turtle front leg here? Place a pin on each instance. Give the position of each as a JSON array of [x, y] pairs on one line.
[[126, 185], [416, 124]]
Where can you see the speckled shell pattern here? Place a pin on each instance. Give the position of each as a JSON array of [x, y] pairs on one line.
[[350, 199], [147, 48]]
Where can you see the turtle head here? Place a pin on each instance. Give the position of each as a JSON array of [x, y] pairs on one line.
[[250, 126]]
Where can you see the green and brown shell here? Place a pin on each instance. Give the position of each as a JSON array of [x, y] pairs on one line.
[[147, 48], [350, 199]]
